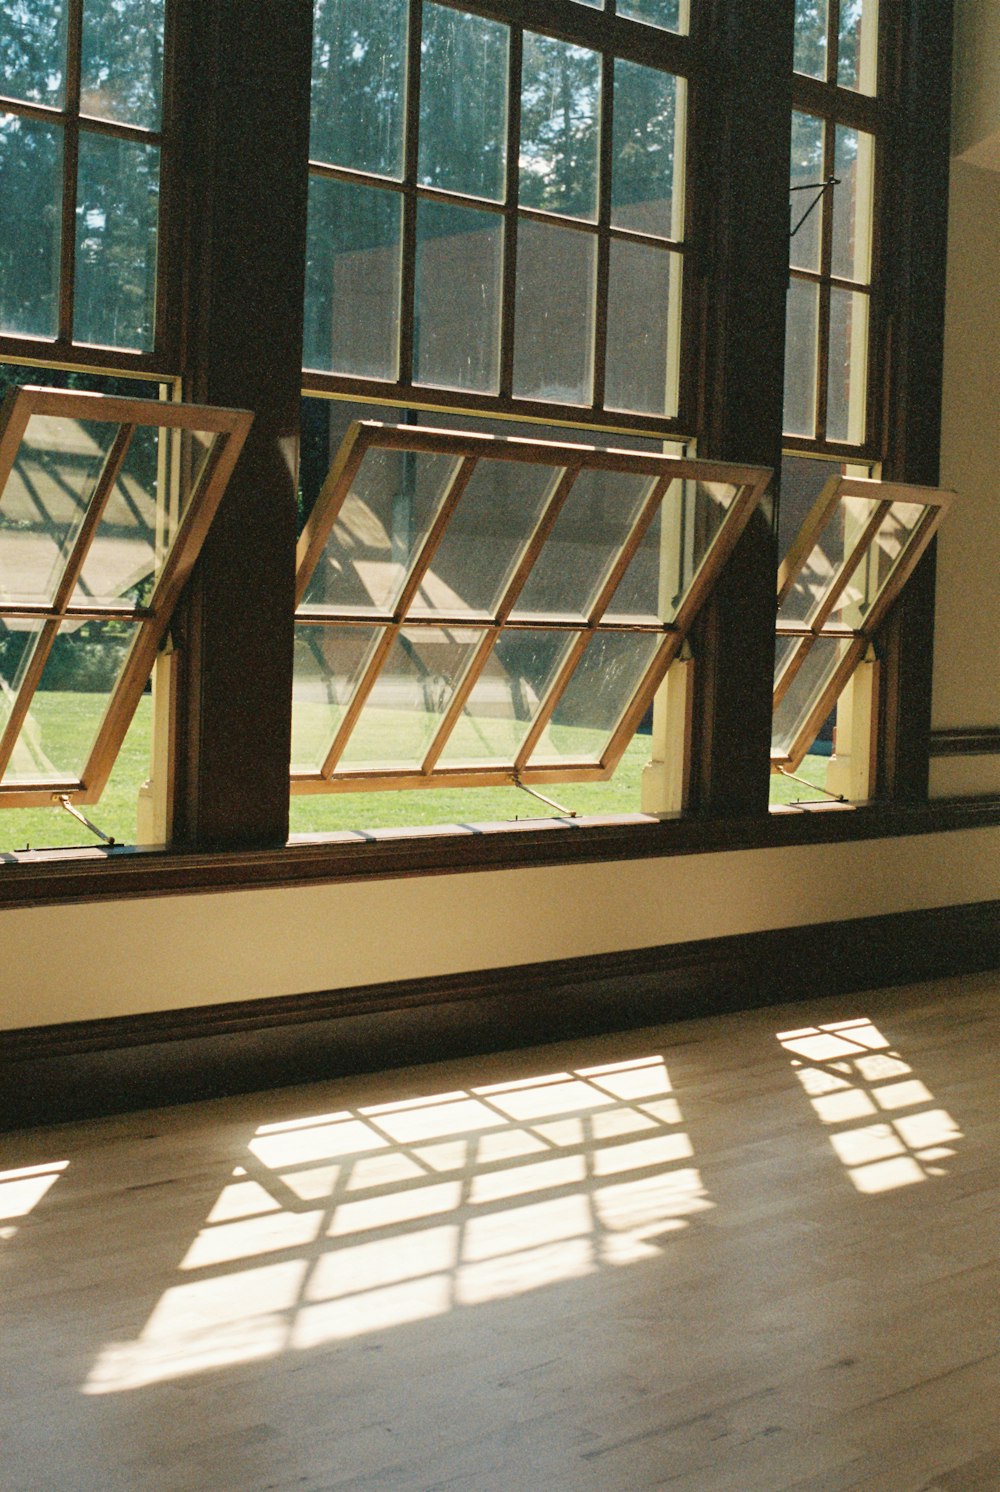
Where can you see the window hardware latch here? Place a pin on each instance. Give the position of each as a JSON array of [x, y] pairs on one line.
[[816, 787], [569, 813], [64, 802], [820, 188]]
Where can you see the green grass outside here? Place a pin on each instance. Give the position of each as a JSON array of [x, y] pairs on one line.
[[66, 722]]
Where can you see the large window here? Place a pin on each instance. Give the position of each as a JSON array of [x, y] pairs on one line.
[[495, 213], [80, 166]]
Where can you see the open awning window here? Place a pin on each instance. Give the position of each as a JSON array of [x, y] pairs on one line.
[[847, 566], [473, 609], [104, 505]]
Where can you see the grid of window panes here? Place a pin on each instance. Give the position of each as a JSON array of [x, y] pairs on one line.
[[832, 197], [496, 213], [80, 149]]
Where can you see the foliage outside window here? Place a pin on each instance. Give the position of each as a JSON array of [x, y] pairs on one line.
[[80, 159]]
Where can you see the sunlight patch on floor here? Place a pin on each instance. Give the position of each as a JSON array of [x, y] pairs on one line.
[[364, 1220], [889, 1130], [22, 1190]]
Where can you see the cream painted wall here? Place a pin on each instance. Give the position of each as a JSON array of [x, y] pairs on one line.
[[967, 634], [976, 92], [117, 958]]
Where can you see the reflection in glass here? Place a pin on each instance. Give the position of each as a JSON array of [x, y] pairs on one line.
[[506, 698], [463, 103], [852, 204], [670, 15], [486, 537], [810, 37], [18, 637], [141, 517], [69, 704], [801, 327], [353, 258], [327, 667], [384, 520], [641, 369], [554, 314], [848, 366], [586, 540], [841, 533], [814, 673], [857, 58], [414, 688], [890, 545], [121, 63], [672, 551], [602, 687], [806, 173], [560, 126], [31, 198], [644, 172], [32, 51], [118, 187], [358, 84], [45, 501], [457, 311]]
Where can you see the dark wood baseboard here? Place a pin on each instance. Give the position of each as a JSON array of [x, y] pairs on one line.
[[56, 1073], [966, 740]]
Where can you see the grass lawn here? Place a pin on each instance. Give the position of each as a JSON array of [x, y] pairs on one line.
[[64, 724]]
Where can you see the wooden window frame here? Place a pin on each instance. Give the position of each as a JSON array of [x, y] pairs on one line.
[[570, 461], [857, 639], [152, 617], [64, 350], [611, 37]]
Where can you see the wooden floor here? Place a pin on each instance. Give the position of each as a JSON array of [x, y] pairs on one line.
[[756, 1252]]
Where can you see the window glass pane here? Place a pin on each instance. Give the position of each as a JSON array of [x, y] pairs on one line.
[[601, 689], [117, 196], [817, 667], [857, 60], [68, 707], [359, 84], [384, 520], [31, 209], [328, 664], [560, 126], [352, 279], [841, 533], [805, 183], [554, 316], [869, 579], [414, 687], [32, 50], [18, 638], [506, 697], [800, 358], [142, 514], [457, 313], [810, 37], [463, 103], [852, 204], [644, 170], [121, 62], [848, 366], [585, 542], [486, 537], [643, 328], [44, 502], [672, 551], [671, 15]]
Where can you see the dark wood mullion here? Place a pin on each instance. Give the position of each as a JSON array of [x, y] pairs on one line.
[[604, 179], [832, 41], [71, 159], [508, 294], [825, 263], [742, 175], [407, 294]]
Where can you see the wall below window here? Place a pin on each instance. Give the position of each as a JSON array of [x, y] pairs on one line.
[[118, 958]]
